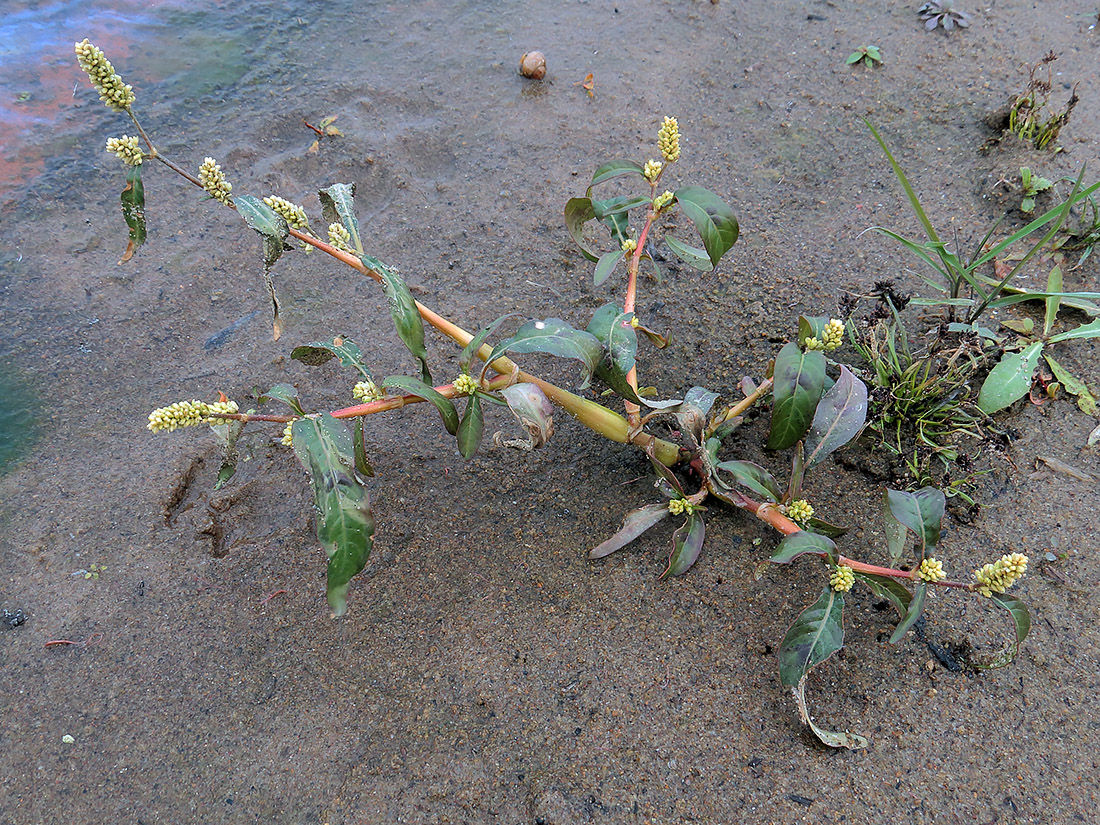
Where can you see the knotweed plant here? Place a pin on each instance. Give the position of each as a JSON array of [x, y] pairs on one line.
[[817, 404]]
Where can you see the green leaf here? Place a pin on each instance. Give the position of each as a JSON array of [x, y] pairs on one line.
[[834, 739], [286, 394], [1022, 622], [133, 211], [713, 219], [687, 544], [412, 386], [1010, 379], [799, 378], [227, 434], [874, 53], [1074, 386], [816, 635], [338, 206], [801, 544], [578, 212], [610, 214], [471, 349], [1054, 284], [798, 472], [1090, 330], [554, 337], [889, 589], [406, 318], [854, 57], [839, 417], [273, 228], [614, 169], [471, 428], [921, 512], [318, 352], [755, 478], [617, 206], [606, 266], [635, 523], [345, 526], [916, 608], [362, 463], [895, 531], [612, 328], [811, 326], [690, 255], [824, 528]]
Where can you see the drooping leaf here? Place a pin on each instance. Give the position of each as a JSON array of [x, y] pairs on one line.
[[612, 213], [687, 544], [916, 608], [803, 543], [1074, 386], [554, 337], [406, 318], [274, 230], [362, 463], [692, 256], [612, 328], [1010, 379], [921, 512], [839, 417], [412, 386], [614, 169], [578, 212], [1021, 624], [227, 434], [635, 523], [816, 634], [133, 211], [666, 475], [286, 394], [345, 526], [471, 349], [895, 531], [799, 379], [824, 528], [713, 219], [471, 428], [755, 478], [318, 352], [834, 739], [606, 266], [338, 206], [533, 409], [889, 589]]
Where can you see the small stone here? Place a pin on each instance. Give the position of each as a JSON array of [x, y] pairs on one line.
[[67, 739], [533, 65]]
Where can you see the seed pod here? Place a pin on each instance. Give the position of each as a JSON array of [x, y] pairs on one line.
[[533, 65]]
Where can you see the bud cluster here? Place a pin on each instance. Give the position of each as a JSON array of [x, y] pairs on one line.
[[126, 149], [188, 414], [629, 245], [652, 170], [366, 391], [662, 200], [288, 439], [1001, 574], [668, 140], [214, 182], [842, 579], [799, 511], [832, 336], [112, 91], [680, 505], [465, 384], [931, 570], [339, 236], [294, 215]]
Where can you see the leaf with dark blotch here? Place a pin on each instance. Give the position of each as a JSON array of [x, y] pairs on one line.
[[614, 169], [889, 589], [470, 350], [412, 386], [406, 318], [1009, 380], [916, 608], [799, 378], [227, 433], [816, 635], [578, 212], [345, 526], [533, 409], [613, 330], [338, 206], [692, 256], [803, 543], [687, 544], [362, 463], [133, 211], [286, 394], [554, 337], [606, 266], [824, 528], [713, 219], [834, 739], [921, 512], [1022, 625], [839, 417], [635, 523], [755, 478], [471, 428], [318, 352], [271, 225]]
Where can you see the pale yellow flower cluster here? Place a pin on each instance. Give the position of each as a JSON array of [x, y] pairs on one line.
[[842, 579], [465, 384], [662, 200], [1001, 574], [668, 140], [652, 170], [629, 245], [931, 570], [214, 182], [339, 236], [366, 391], [799, 511], [112, 91], [680, 505], [832, 336], [288, 439], [126, 149], [188, 414], [294, 215]]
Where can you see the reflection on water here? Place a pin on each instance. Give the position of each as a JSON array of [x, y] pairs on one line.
[[18, 407]]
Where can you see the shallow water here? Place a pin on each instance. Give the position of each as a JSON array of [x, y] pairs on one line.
[[487, 672]]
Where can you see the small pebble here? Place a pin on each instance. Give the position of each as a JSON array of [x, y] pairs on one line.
[[68, 740]]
